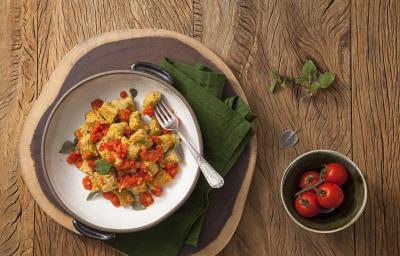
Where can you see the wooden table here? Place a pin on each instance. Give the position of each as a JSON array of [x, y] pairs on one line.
[[359, 116]]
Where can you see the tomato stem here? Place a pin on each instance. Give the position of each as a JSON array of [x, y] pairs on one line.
[[310, 187]]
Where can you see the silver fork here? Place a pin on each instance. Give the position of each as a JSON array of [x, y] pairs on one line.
[[169, 121]]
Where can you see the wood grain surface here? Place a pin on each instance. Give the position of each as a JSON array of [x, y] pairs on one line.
[[358, 116]]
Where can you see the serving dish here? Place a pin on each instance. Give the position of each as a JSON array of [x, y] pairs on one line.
[[330, 221], [63, 179], [117, 50]]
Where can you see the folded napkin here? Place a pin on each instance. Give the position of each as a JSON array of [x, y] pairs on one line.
[[226, 130]]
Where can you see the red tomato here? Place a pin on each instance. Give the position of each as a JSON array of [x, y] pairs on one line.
[[72, 157], [91, 163], [173, 172], [115, 201], [98, 131], [87, 155], [166, 131], [149, 111], [146, 199], [155, 139], [96, 104], [148, 178], [108, 195], [307, 204], [123, 94], [124, 115], [150, 155], [330, 195], [309, 178], [87, 183], [157, 191], [78, 133], [336, 173]]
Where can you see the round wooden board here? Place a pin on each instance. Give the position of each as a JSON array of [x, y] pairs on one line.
[[80, 63]]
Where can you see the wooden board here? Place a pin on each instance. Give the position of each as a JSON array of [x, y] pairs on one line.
[[118, 50], [356, 39]]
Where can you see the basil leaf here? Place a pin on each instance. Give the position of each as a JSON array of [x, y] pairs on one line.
[[138, 207], [102, 166], [326, 79], [67, 147], [91, 195], [309, 69], [274, 80], [133, 92], [141, 142]]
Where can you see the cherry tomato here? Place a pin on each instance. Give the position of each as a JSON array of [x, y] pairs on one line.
[[124, 115], [330, 195], [307, 204], [149, 111], [108, 195], [115, 201], [146, 199], [336, 173], [123, 94], [87, 183], [157, 191], [309, 178], [96, 103]]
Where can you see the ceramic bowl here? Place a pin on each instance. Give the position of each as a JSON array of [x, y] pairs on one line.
[[65, 181], [355, 192]]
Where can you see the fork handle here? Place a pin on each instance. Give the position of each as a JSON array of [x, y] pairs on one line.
[[212, 176]]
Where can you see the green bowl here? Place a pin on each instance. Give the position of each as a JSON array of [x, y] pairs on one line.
[[355, 192]]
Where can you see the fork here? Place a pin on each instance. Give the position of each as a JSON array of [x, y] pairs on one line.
[[169, 121]]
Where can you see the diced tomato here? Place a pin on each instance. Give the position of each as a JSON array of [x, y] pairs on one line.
[[149, 111], [169, 166], [157, 191], [87, 155], [126, 165], [150, 155], [127, 181], [74, 157], [102, 181], [79, 163], [121, 150], [108, 195], [139, 181], [87, 183], [92, 163], [155, 139], [142, 167], [78, 133], [110, 159], [124, 115], [146, 199], [166, 131], [96, 104], [128, 132], [148, 178], [115, 201], [172, 172], [98, 131], [123, 94]]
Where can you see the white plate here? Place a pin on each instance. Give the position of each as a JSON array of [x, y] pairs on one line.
[[66, 180]]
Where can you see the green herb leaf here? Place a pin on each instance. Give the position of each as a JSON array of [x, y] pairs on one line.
[[91, 195], [102, 166], [133, 92], [67, 147], [126, 105], [326, 79], [309, 69], [141, 142], [274, 80], [138, 207]]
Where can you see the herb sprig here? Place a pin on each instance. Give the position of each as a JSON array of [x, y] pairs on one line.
[[311, 79]]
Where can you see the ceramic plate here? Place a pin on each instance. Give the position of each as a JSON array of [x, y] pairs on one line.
[[65, 180]]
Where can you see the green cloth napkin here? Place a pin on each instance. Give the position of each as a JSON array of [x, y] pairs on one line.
[[226, 130]]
